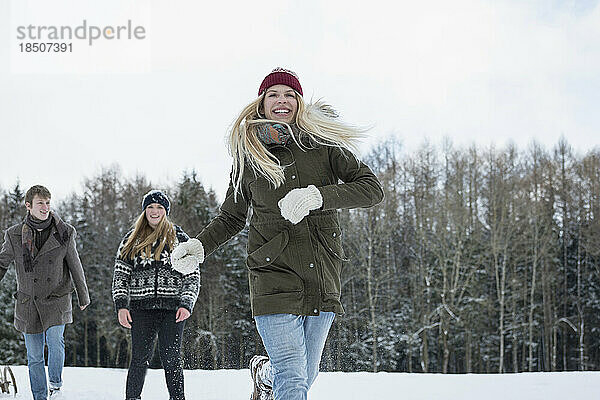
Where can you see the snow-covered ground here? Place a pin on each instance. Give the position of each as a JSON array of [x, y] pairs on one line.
[[109, 384]]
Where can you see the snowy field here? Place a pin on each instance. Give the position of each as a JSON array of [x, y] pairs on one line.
[[109, 384]]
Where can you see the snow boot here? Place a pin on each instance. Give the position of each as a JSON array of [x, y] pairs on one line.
[[262, 391]]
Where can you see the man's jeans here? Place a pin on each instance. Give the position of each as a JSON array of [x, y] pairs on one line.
[[34, 343], [294, 344]]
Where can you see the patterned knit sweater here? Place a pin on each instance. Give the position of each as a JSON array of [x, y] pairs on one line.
[[145, 283]]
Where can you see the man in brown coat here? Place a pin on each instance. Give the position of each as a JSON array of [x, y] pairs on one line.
[[47, 266]]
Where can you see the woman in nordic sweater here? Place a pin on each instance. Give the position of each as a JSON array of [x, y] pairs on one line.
[[292, 163], [153, 298]]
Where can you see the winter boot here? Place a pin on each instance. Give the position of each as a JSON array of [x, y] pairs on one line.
[[55, 393], [262, 391]]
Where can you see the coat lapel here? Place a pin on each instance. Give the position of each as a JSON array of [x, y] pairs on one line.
[[51, 244]]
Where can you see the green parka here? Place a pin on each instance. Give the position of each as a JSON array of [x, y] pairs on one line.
[[295, 269]]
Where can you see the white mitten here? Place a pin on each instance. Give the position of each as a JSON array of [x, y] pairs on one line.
[[185, 265], [191, 247], [299, 202]]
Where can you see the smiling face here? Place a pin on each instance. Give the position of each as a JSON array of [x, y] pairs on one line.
[[280, 103], [154, 214], [39, 207]]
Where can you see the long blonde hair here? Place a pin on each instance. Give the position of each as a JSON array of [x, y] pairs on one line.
[[144, 236], [318, 121]]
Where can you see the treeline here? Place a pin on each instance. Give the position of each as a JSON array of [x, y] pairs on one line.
[[478, 260]]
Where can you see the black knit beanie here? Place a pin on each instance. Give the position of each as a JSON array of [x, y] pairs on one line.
[[156, 196]]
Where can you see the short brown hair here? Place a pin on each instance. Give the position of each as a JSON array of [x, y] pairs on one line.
[[39, 190]]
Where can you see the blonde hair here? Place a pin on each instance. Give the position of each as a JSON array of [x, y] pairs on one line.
[[318, 121], [144, 236]]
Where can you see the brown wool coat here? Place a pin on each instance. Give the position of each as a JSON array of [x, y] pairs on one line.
[[295, 269], [43, 296]]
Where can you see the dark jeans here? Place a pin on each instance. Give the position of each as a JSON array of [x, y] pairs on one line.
[[144, 328]]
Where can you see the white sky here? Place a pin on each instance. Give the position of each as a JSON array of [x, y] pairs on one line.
[[476, 71]]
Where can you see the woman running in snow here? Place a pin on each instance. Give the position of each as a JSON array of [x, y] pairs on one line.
[[292, 163], [152, 297]]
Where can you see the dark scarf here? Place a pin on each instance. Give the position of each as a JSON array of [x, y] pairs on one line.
[[269, 133], [30, 228]]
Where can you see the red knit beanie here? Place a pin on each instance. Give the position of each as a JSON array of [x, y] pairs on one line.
[[281, 76]]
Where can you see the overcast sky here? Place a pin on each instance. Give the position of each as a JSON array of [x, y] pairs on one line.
[[476, 71]]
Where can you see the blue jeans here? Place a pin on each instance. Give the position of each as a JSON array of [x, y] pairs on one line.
[[294, 344], [34, 343]]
